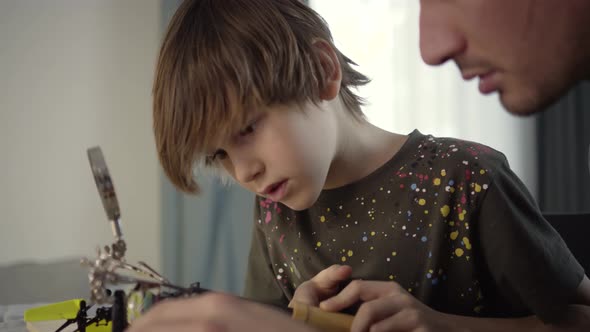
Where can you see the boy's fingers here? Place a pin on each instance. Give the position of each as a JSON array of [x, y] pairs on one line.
[[305, 294], [322, 285], [332, 276], [346, 298], [374, 312], [358, 290]]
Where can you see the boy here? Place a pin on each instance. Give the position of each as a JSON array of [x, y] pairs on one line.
[[258, 89]]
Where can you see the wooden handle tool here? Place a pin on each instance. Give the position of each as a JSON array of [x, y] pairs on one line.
[[322, 320]]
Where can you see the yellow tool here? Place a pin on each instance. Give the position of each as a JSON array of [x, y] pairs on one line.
[[73, 312]]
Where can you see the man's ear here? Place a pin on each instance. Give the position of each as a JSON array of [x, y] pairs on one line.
[[332, 70]]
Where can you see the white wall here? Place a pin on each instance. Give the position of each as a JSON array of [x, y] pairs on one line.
[[74, 74]]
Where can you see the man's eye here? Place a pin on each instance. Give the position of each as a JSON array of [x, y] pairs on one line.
[[216, 156]]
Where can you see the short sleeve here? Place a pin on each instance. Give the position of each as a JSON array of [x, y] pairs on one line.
[[528, 260], [261, 284]]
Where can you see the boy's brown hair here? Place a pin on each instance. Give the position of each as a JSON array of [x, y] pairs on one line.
[[221, 59]]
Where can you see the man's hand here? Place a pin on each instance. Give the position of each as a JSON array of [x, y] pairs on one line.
[[325, 284], [386, 307], [214, 312]]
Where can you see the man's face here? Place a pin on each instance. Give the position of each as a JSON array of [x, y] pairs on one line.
[[526, 50]]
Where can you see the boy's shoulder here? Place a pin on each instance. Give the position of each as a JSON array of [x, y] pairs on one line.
[[454, 153]]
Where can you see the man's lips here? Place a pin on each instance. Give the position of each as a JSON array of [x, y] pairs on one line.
[[470, 74], [488, 81]]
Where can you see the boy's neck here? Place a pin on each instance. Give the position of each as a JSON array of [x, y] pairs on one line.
[[362, 148]]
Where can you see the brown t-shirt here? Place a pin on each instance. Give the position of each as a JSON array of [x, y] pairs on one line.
[[447, 219]]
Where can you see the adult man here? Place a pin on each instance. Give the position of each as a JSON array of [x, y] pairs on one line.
[[530, 52]]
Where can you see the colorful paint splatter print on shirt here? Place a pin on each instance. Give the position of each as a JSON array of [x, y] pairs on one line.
[[439, 218]]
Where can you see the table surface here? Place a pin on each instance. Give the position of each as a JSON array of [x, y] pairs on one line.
[[11, 317]]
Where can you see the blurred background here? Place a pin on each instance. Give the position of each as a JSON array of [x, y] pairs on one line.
[[78, 73]]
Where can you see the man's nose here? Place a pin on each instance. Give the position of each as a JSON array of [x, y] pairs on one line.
[[440, 41]]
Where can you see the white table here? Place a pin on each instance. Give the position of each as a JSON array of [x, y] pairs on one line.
[[11, 317]]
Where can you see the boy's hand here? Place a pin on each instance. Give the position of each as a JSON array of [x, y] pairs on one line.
[[325, 284], [214, 312], [386, 307]]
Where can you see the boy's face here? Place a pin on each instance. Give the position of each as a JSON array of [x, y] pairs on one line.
[[525, 49], [283, 154]]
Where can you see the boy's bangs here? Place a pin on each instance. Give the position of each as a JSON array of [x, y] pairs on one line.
[[221, 61], [221, 115], [229, 84]]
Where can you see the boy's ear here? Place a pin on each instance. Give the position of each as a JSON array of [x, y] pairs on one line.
[[332, 70]]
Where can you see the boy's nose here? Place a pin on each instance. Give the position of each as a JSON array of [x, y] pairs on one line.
[[439, 40], [247, 169]]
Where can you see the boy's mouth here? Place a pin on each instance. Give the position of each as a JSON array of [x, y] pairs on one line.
[[275, 191]]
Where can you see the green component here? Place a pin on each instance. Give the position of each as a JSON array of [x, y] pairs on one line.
[[138, 303], [56, 311]]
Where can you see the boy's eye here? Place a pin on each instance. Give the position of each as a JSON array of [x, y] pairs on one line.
[[248, 129], [216, 156]]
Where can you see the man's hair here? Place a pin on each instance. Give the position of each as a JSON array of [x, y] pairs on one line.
[[221, 59]]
